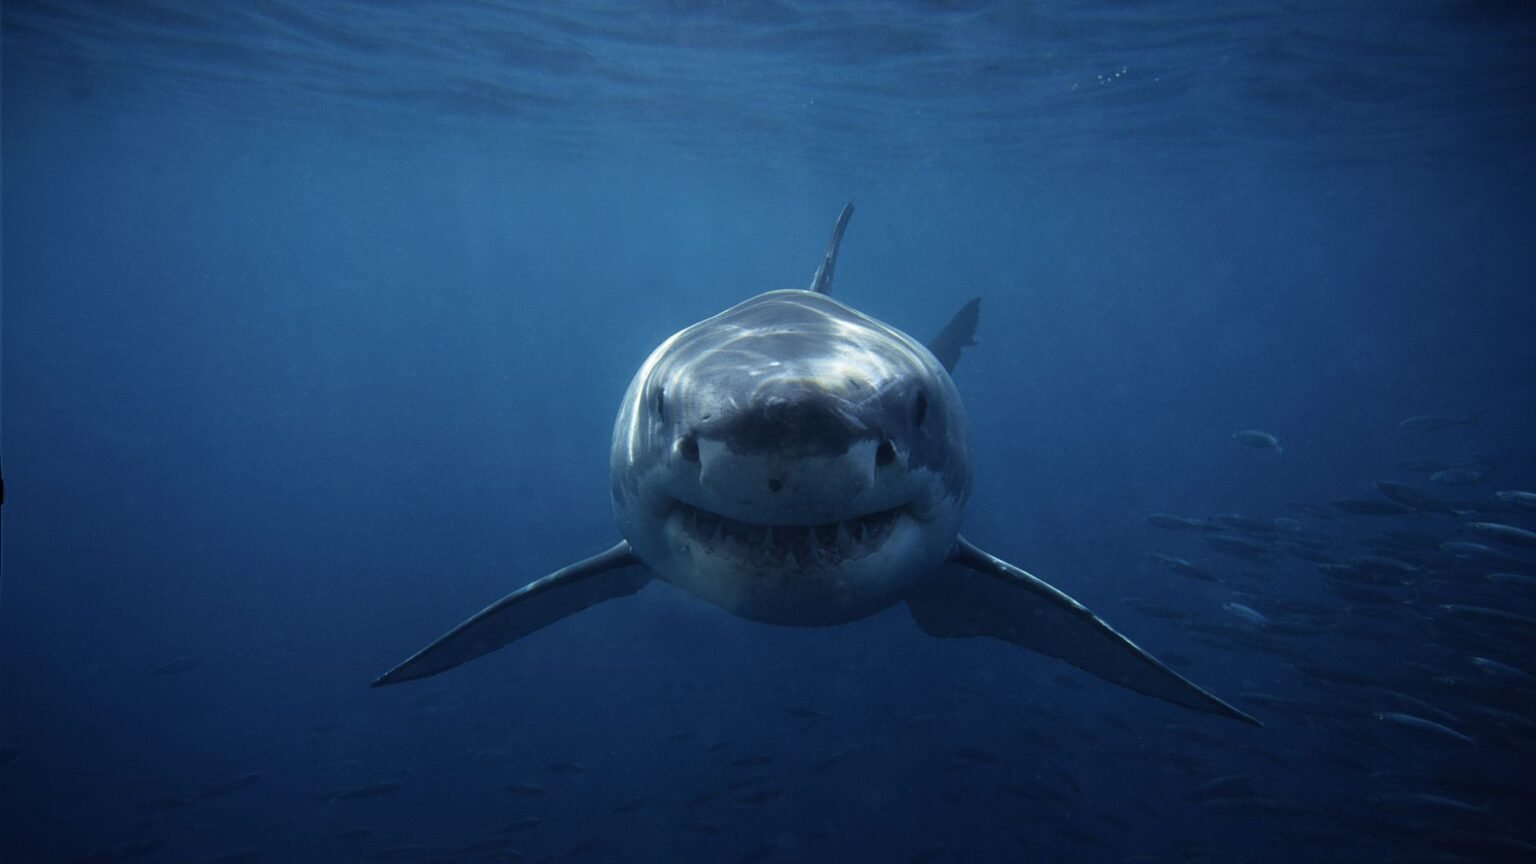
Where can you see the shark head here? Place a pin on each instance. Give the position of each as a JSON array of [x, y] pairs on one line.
[[791, 460]]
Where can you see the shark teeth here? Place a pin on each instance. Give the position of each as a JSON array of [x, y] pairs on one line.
[[799, 547]]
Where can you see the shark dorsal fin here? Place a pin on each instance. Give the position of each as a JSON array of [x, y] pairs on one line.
[[958, 334], [821, 283]]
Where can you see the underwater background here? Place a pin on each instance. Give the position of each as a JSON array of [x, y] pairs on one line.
[[317, 317]]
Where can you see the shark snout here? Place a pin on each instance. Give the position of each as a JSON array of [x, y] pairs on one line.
[[790, 417], [797, 451], [776, 487]]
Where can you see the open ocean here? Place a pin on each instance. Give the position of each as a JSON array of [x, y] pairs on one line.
[[317, 317]]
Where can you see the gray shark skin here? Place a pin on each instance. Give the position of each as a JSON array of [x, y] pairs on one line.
[[794, 461]]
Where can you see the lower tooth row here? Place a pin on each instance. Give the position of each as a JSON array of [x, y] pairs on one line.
[[777, 545]]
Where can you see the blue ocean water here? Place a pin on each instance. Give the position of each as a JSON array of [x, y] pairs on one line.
[[317, 316]]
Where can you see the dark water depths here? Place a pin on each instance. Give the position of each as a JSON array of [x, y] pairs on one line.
[[316, 318]]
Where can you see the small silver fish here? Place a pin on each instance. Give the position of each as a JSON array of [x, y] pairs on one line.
[[1467, 551], [1424, 799], [1507, 534], [1425, 464], [1513, 580], [1503, 671], [1523, 500], [224, 787], [1436, 422], [1408, 496], [177, 665], [1257, 439], [1409, 721], [566, 767], [1459, 476], [1171, 522], [1483, 613], [1247, 613], [359, 793], [1185, 568], [522, 823], [1372, 507]]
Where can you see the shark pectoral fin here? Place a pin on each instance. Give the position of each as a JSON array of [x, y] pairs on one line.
[[957, 335], [615, 573], [980, 595]]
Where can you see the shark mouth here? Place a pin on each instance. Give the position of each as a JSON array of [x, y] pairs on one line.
[[799, 547]]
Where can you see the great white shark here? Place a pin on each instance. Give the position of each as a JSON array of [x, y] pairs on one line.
[[795, 461]]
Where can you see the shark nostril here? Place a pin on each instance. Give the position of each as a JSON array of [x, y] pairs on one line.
[[688, 448], [885, 454], [775, 484]]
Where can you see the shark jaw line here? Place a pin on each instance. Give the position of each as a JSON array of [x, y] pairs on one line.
[[787, 546]]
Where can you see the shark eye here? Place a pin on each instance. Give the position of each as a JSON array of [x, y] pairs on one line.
[[920, 409], [661, 403], [885, 454], [688, 448]]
